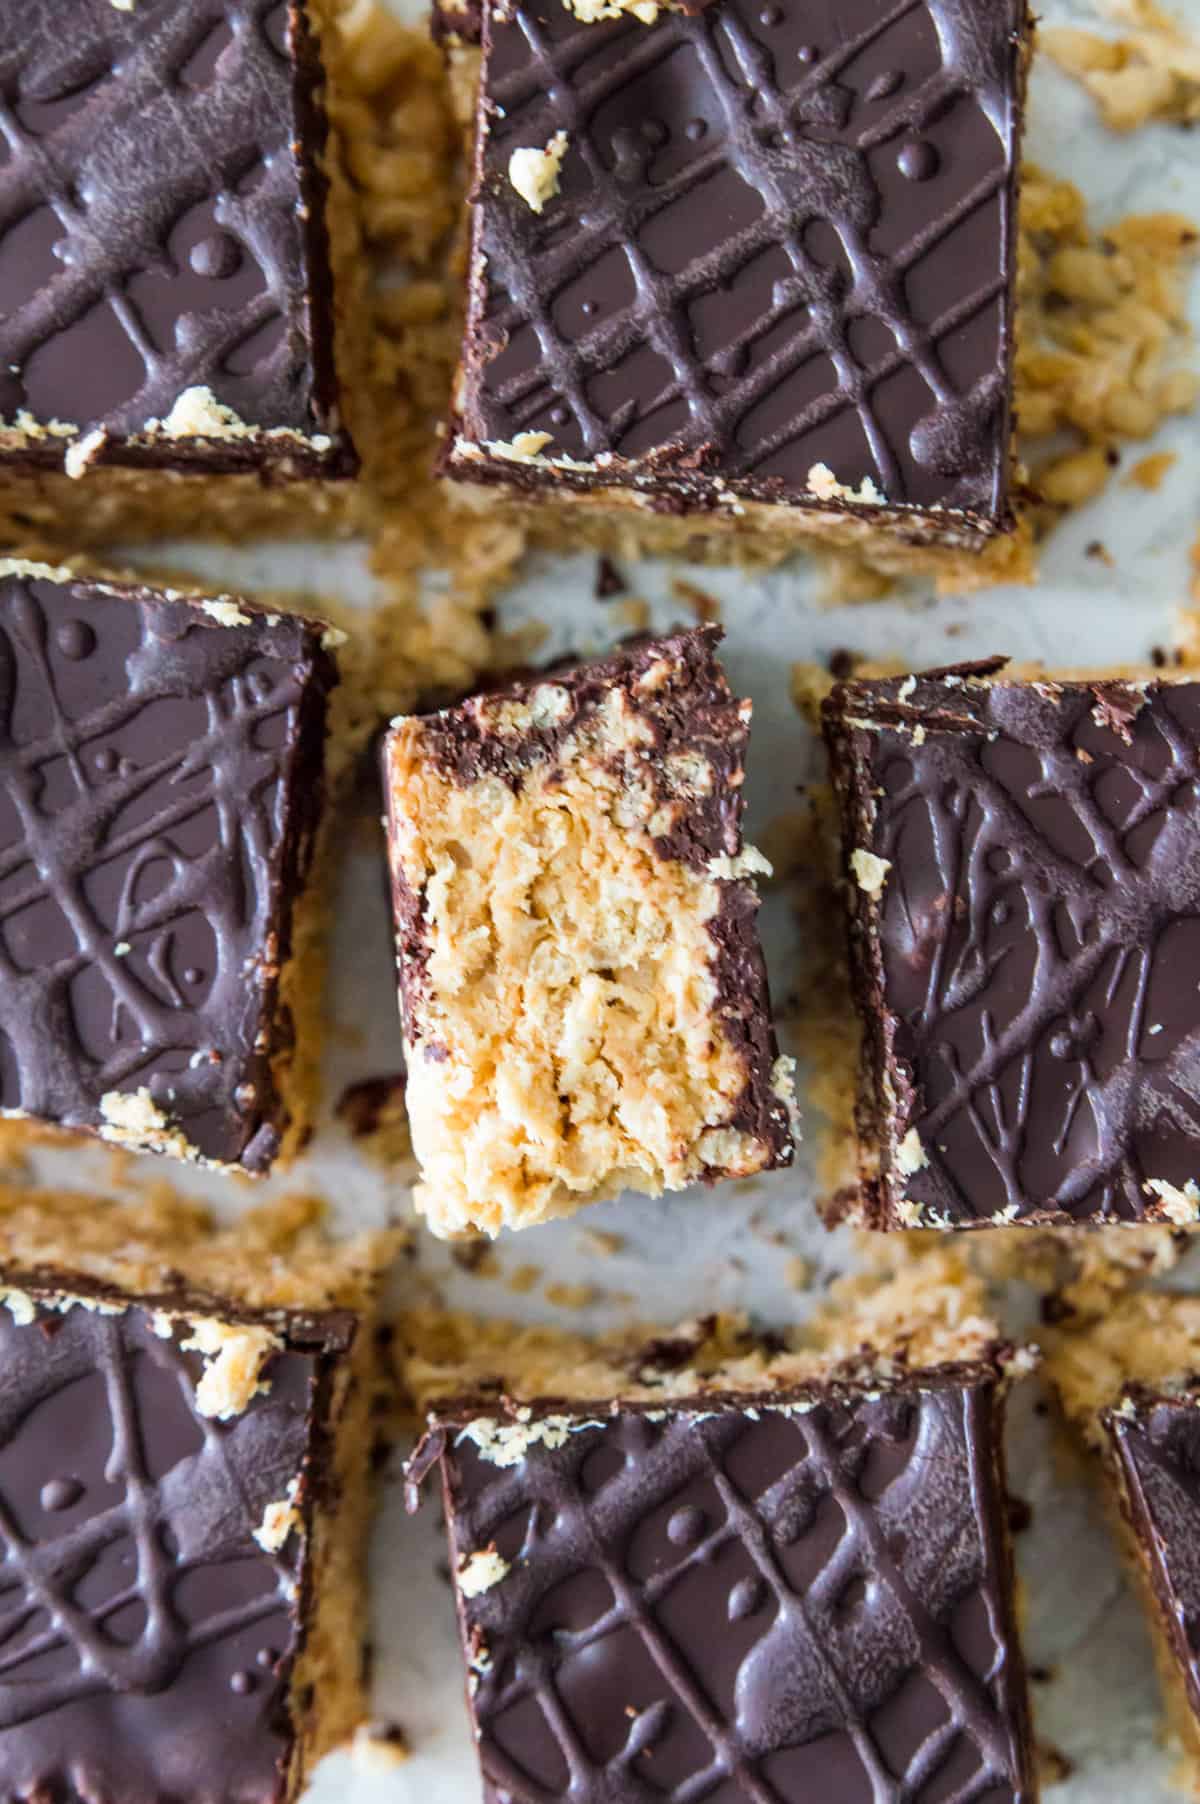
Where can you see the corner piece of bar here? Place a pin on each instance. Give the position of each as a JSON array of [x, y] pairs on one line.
[[584, 997], [1022, 863], [182, 1505], [161, 790], [778, 1577], [166, 282], [752, 266], [1127, 1384]]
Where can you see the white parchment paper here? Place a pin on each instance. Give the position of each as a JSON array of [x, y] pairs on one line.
[[1095, 1697]]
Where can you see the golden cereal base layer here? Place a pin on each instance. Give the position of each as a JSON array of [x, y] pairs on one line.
[[153, 1241], [868, 1330], [565, 1039]]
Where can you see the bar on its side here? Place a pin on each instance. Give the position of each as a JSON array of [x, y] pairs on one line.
[[713, 1569], [161, 793], [171, 339], [1022, 863], [584, 997], [747, 271], [1128, 1386]]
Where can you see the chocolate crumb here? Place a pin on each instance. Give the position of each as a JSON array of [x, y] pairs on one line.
[[609, 581]]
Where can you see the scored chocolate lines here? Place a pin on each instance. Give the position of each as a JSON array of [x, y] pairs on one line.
[[658, 312], [50, 1571], [242, 779], [1122, 931], [42, 171], [548, 1484]]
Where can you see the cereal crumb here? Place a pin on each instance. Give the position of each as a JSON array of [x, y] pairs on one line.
[[84, 452], [534, 173], [870, 871], [236, 1355], [480, 1571], [279, 1521], [1148, 472]]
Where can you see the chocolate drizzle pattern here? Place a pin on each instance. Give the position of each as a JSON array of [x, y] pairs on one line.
[[153, 230], [783, 236], [1157, 1445], [159, 790], [1030, 978], [145, 1638], [741, 1603]]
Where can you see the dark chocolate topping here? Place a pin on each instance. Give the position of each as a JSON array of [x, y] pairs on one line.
[[162, 216], [736, 1604], [147, 1639], [1031, 976], [1159, 1454], [160, 786], [690, 715], [783, 236]]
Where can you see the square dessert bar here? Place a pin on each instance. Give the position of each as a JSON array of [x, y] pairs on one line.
[[585, 1002], [1128, 1386], [787, 1588], [1023, 867], [166, 290], [172, 1477], [751, 266], [161, 768]]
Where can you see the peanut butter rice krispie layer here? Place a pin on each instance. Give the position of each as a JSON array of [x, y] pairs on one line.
[[714, 1568], [1128, 1383], [1022, 863], [187, 1417], [745, 268], [171, 344], [584, 997], [161, 791]]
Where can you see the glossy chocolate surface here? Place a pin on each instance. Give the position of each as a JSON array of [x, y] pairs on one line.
[[1030, 979], [783, 237], [161, 218], [160, 785], [146, 1638], [748, 1605]]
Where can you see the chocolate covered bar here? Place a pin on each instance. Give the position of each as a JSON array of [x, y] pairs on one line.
[[719, 1571], [173, 1473], [585, 1002], [1023, 871], [166, 288], [161, 764], [1128, 1386], [749, 267]]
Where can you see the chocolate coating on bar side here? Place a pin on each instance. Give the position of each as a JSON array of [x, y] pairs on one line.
[[1030, 978], [784, 235], [710, 1602], [148, 1639], [1158, 1453], [162, 225], [160, 786], [693, 715]]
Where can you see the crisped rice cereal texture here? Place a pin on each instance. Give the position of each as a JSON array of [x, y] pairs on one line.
[[584, 997]]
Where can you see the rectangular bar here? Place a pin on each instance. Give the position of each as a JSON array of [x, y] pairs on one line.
[[182, 1504], [167, 303], [1022, 865], [750, 268], [670, 1585], [584, 997], [1128, 1386], [161, 792]]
